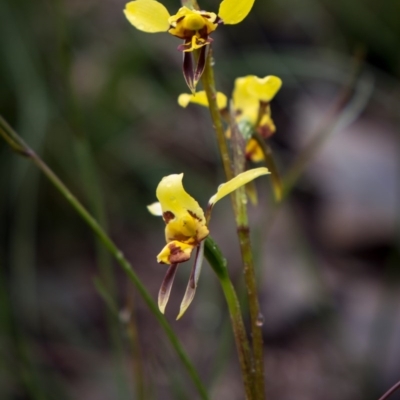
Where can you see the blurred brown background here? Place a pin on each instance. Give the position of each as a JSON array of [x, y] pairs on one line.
[[80, 84]]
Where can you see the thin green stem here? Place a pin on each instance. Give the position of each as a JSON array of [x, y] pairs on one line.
[[218, 264], [21, 147], [256, 318], [243, 231], [209, 87]]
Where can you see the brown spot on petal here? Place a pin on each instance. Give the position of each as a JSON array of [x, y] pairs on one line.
[[177, 255], [179, 238], [193, 215], [167, 216]]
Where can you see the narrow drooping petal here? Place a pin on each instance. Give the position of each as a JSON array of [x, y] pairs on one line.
[[155, 209], [166, 286], [188, 72], [147, 15], [200, 98], [193, 280], [200, 66], [234, 11], [236, 182], [192, 73], [264, 89]]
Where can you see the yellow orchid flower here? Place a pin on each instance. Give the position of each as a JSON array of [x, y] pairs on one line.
[[193, 26], [251, 97], [186, 228]]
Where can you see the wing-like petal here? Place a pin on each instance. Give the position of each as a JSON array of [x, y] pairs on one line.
[[201, 98], [147, 15], [193, 280], [264, 89], [237, 182], [234, 11]]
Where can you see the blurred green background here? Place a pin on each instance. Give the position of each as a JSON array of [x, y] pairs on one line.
[[97, 100]]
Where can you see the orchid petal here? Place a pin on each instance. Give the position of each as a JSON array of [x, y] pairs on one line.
[[174, 198], [188, 72], [193, 280], [236, 183], [147, 15], [200, 98], [234, 11], [200, 65], [244, 101], [182, 214], [175, 252], [166, 286], [264, 89], [155, 209]]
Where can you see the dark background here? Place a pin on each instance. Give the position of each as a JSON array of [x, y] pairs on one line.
[[80, 84]]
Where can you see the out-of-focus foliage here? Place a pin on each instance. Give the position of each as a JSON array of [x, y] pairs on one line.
[[76, 76]]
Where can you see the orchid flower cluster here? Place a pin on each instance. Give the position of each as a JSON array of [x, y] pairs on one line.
[[191, 25], [187, 225], [186, 228], [251, 101]]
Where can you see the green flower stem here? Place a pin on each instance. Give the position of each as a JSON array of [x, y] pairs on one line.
[[209, 87], [256, 318], [218, 264], [241, 218], [19, 146]]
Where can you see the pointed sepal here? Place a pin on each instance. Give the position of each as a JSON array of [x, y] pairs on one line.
[[166, 286], [188, 72], [200, 66], [193, 280], [192, 73]]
